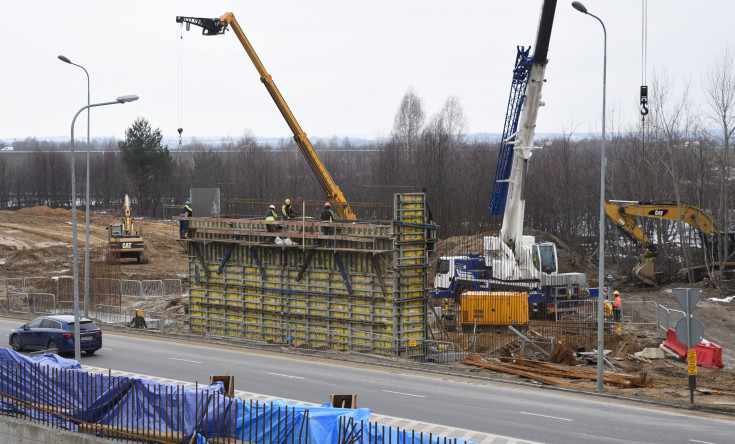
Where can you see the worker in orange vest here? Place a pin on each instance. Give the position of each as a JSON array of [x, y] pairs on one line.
[[617, 306]]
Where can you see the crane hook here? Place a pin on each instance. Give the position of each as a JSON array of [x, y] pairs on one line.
[[644, 100]]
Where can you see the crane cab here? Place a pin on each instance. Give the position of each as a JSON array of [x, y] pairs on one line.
[[544, 257]]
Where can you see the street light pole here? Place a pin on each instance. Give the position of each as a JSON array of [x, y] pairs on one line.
[[75, 247], [601, 273], [86, 211]]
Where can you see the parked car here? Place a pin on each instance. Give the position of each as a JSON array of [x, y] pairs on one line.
[[57, 331]]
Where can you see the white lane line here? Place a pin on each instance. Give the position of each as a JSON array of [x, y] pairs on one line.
[[105, 348], [286, 376], [405, 394], [703, 442], [186, 360], [547, 416]]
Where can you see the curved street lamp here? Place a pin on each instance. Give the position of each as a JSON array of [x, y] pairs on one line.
[[77, 330], [601, 273], [86, 211]]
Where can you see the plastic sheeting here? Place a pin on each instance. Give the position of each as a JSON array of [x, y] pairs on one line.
[[43, 386]]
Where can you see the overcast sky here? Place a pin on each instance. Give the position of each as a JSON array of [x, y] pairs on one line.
[[342, 66]]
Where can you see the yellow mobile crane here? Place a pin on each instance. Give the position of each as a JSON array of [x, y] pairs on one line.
[[124, 240], [622, 212], [219, 26]]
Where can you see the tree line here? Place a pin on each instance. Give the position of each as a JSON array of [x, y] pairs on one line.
[[679, 152]]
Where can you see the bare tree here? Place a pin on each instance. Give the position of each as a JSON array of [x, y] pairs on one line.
[[409, 121], [673, 126], [719, 88]]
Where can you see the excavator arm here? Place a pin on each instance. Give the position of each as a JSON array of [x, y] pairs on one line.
[[218, 26], [622, 214], [127, 217]]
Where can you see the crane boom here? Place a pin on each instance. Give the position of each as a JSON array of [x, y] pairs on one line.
[[522, 139], [218, 26]]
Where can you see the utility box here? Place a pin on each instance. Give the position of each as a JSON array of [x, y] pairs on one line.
[[491, 308]]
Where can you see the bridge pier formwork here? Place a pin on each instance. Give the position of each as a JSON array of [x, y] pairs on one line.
[[360, 288]]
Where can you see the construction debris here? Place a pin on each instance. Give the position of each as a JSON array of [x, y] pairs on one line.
[[555, 374], [561, 355]]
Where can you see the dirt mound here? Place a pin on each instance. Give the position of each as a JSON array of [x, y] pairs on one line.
[[37, 241], [50, 212]]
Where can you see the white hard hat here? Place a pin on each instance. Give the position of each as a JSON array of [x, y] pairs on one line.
[[272, 207]]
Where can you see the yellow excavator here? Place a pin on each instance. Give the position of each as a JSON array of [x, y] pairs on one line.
[[124, 240], [219, 26], [622, 214]]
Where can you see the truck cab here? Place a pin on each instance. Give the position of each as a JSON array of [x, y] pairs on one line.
[[456, 274]]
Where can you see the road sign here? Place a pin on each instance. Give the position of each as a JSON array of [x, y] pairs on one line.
[[688, 298], [692, 335], [692, 362]]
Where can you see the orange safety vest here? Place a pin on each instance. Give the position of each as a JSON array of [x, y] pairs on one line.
[[618, 303]]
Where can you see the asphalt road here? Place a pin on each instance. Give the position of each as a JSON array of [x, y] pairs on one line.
[[521, 412]]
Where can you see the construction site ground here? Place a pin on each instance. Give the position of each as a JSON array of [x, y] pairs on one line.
[[38, 242]]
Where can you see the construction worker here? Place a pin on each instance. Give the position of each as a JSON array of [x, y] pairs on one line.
[[287, 211], [327, 215], [617, 306], [184, 224], [271, 216], [138, 320]]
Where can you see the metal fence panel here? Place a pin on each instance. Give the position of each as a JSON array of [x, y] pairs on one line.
[[667, 318], [172, 287], [152, 288], [43, 303], [18, 303], [8, 285], [639, 312], [131, 288]]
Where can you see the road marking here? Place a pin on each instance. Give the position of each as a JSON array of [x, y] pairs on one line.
[[406, 394], [105, 348], [286, 376], [703, 442], [186, 360], [547, 416]]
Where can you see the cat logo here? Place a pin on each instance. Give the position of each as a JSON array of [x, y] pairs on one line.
[[658, 213]]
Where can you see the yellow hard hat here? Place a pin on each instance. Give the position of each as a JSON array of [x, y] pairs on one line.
[[288, 201], [616, 292]]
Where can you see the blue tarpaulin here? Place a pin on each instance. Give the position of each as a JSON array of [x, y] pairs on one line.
[[58, 391]]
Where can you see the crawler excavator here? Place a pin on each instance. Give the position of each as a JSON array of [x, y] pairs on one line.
[[124, 240], [622, 214]]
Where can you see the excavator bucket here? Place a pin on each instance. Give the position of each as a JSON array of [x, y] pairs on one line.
[[645, 273]]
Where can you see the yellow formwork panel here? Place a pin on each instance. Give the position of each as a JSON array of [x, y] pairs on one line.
[[268, 302]]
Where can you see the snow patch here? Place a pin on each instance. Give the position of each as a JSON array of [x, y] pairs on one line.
[[13, 243], [726, 300]]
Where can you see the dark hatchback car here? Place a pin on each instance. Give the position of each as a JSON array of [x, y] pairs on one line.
[[57, 332]]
